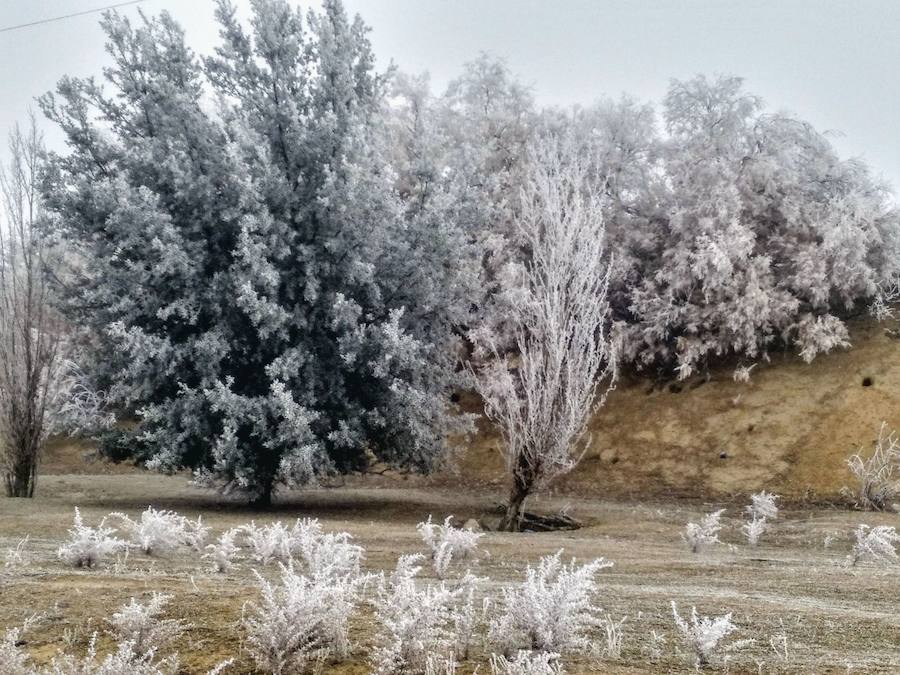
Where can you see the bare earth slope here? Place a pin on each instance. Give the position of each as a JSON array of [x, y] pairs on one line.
[[789, 430]]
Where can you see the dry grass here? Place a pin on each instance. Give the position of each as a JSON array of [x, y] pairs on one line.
[[790, 584]]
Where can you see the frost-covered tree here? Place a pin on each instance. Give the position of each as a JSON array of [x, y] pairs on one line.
[[541, 395], [31, 372], [766, 236], [268, 306]]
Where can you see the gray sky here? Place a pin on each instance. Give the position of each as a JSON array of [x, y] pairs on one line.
[[832, 63]]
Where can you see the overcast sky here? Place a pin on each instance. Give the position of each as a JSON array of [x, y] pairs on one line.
[[832, 63]]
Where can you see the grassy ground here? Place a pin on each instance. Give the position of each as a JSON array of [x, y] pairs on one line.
[[792, 585]]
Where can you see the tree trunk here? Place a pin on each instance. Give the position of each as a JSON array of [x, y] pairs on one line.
[[21, 478], [512, 519], [263, 499]]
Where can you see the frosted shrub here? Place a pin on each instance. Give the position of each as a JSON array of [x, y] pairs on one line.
[[124, 661], [877, 544], [416, 623], [331, 554], [552, 610], [704, 533], [762, 506], [754, 529], [195, 533], [13, 659], [87, 546], [300, 620], [140, 625], [441, 665], [447, 543], [878, 476], [223, 551], [16, 557], [527, 663], [269, 543], [160, 531], [702, 634]]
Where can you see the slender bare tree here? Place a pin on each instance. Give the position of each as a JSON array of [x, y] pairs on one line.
[[541, 392], [29, 331]]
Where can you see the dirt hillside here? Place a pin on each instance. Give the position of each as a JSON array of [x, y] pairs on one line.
[[789, 430]]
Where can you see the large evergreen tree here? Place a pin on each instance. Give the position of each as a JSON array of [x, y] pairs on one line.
[[263, 300]]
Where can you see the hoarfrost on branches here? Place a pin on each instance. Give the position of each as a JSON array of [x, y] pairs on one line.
[[877, 544], [552, 610], [702, 634], [878, 476], [88, 546], [704, 533]]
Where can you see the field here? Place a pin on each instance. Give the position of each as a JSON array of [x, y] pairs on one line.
[[792, 587]]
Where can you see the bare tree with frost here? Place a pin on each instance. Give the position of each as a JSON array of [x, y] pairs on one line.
[[30, 332], [540, 397]]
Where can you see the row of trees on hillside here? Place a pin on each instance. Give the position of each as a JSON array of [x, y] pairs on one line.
[[282, 263]]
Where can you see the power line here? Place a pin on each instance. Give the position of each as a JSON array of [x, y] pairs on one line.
[[69, 16]]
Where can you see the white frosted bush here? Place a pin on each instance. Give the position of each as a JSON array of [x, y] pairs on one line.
[[552, 610], [124, 661], [269, 543], [704, 533], [762, 506], [13, 659], [87, 546], [447, 543], [160, 531], [140, 625], [877, 544], [16, 556], [418, 622], [437, 664], [300, 619], [878, 477], [702, 634], [330, 554], [753, 529], [223, 551], [527, 663]]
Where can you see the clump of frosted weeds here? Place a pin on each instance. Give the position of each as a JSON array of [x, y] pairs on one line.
[[878, 476], [419, 623], [87, 546], [754, 529], [552, 610], [160, 531], [704, 533], [702, 634], [269, 543], [762, 506], [300, 620], [876, 544], [447, 543], [615, 636], [441, 665], [527, 663], [223, 551], [332, 553], [13, 659], [140, 625], [124, 661], [16, 557]]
